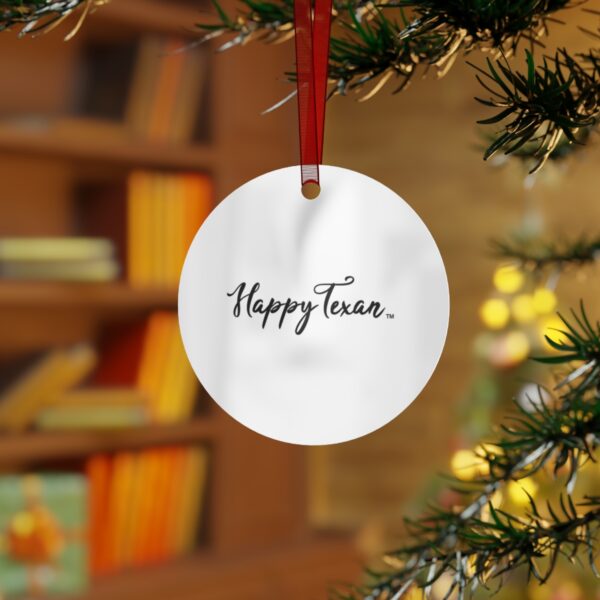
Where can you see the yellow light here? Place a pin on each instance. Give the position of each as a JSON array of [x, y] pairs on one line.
[[414, 593], [516, 346], [523, 308], [466, 465], [494, 313], [441, 585], [509, 279], [495, 500], [551, 326], [544, 301], [518, 490]]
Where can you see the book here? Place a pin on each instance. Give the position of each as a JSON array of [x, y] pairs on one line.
[[190, 103], [151, 373], [145, 506], [149, 358], [165, 373], [52, 375], [54, 249], [44, 520], [93, 271], [143, 84], [58, 258], [99, 472], [104, 73], [164, 212], [119, 512], [91, 417], [195, 474], [167, 93], [93, 397], [169, 78], [120, 353]]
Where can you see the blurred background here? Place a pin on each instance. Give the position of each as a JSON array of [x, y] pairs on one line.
[[120, 477]]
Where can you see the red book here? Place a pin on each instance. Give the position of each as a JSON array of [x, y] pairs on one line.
[[120, 357]]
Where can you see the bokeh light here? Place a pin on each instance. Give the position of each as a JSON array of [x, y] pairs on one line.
[[544, 301], [494, 313], [508, 279]]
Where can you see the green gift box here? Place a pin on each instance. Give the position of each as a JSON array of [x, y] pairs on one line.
[[43, 526]]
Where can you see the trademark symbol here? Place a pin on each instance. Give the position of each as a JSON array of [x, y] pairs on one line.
[[389, 315]]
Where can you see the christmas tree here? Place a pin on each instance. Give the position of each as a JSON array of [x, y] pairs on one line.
[[497, 523], [519, 503]]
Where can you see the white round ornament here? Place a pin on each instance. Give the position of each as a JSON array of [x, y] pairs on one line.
[[313, 322]]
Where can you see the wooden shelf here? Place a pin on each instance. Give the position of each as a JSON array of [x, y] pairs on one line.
[[107, 296], [89, 140], [40, 447], [164, 17], [255, 534], [296, 571]]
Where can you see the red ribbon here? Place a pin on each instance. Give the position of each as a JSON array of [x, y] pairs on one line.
[[312, 51]]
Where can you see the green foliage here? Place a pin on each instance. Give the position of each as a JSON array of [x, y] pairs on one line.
[[499, 24], [268, 21], [37, 15], [538, 255], [542, 112], [475, 543], [556, 99]]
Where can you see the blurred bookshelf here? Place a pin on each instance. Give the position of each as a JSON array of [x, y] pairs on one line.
[[42, 447], [80, 295], [85, 140], [108, 181]]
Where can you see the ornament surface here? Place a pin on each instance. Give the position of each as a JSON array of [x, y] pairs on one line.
[[313, 322]]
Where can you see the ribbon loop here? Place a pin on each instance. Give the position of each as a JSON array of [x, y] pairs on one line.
[[312, 52]]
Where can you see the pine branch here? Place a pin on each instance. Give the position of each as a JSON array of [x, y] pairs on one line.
[[492, 547], [538, 256], [34, 16], [476, 543], [379, 42], [546, 112], [558, 98]]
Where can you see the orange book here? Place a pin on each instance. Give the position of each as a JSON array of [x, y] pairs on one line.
[[167, 483], [155, 204], [186, 384], [180, 386], [189, 101], [148, 489], [199, 203], [134, 233], [131, 507], [170, 514], [144, 84], [154, 355], [138, 509], [178, 234], [168, 401], [119, 508], [139, 234], [170, 72], [98, 470], [161, 482], [192, 495]]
